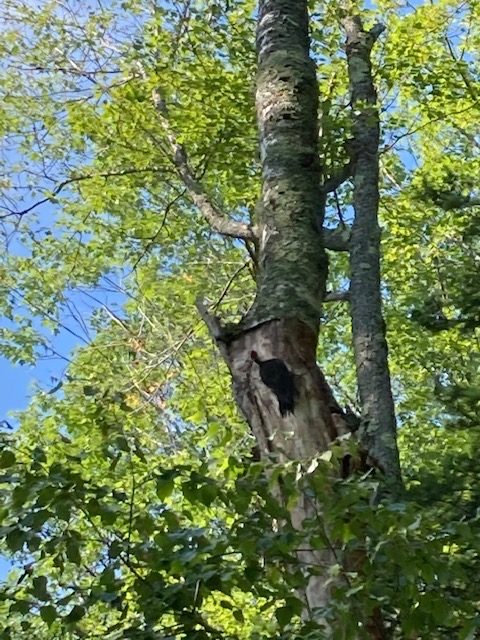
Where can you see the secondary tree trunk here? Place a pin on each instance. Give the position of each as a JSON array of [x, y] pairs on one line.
[[378, 428]]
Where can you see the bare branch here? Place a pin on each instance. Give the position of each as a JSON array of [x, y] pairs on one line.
[[212, 322], [154, 238], [470, 86], [338, 178], [337, 239], [79, 178], [444, 117], [337, 296], [212, 214], [231, 280], [214, 327]]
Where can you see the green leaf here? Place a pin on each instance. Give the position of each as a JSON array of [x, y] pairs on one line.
[[7, 459], [72, 551], [284, 615], [39, 589], [238, 615], [16, 539], [20, 606], [164, 487], [76, 614], [469, 630], [48, 614]]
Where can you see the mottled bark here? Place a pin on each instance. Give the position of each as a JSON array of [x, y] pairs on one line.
[[378, 428], [292, 272], [337, 239], [293, 266]]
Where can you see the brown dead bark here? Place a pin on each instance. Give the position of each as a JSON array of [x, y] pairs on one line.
[[310, 428], [316, 422]]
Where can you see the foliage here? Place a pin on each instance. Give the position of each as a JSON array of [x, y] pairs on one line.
[[130, 505]]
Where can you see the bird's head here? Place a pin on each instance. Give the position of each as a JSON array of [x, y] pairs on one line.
[[254, 356]]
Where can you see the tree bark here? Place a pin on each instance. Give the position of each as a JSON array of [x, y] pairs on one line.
[[284, 320], [293, 266], [377, 432]]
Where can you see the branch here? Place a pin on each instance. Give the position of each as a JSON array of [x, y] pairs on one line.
[[229, 284], [464, 75], [357, 36], [338, 178], [337, 296], [61, 185], [413, 130], [337, 239], [212, 214], [212, 322], [154, 238]]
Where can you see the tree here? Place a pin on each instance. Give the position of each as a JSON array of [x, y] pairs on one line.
[[136, 125]]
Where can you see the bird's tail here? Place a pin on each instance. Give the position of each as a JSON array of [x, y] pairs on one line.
[[286, 407]]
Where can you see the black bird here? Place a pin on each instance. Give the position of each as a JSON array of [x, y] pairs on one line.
[[276, 376]]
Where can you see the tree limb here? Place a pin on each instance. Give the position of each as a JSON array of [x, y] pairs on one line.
[[338, 178], [337, 296], [212, 214], [337, 239], [75, 178]]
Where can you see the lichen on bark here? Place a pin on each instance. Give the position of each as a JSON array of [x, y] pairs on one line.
[[378, 425], [293, 265]]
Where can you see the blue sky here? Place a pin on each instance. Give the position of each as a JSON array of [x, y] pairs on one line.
[[15, 381], [18, 382]]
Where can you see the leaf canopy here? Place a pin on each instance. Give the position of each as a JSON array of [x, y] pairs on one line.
[[129, 503]]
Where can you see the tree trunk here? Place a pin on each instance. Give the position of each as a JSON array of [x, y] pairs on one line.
[[293, 264], [284, 321], [378, 429], [285, 317]]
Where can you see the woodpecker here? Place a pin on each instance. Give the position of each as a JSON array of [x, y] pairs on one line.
[[276, 376]]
